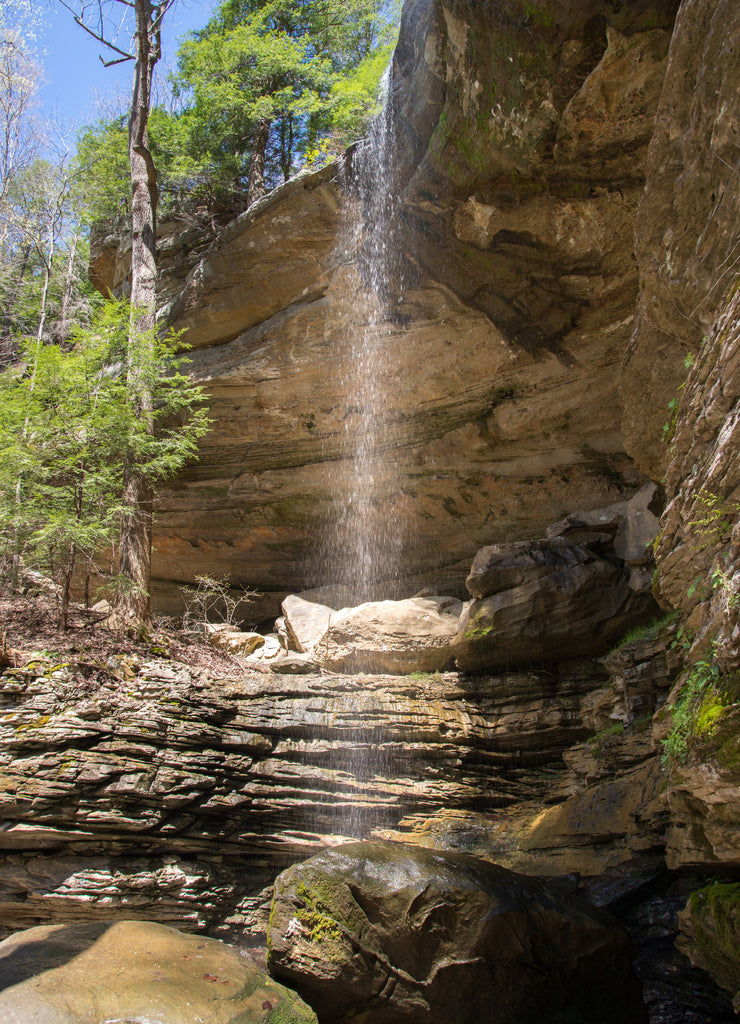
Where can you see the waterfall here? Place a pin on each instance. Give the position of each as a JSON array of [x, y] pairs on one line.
[[364, 543]]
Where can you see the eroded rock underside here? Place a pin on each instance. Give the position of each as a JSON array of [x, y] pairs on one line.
[[568, 237], [521, 138]]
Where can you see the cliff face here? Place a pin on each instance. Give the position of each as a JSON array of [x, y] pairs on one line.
[[521, 138], [564, 327]]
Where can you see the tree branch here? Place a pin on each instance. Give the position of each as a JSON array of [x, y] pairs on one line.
[[100, 38], [112, 63]]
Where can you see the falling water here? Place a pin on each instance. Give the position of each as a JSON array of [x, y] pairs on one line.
[[364, 542], [363, 548]]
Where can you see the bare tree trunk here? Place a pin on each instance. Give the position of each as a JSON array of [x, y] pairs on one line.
[[67, 296], [256, 179], [66, 589], [135, 551]]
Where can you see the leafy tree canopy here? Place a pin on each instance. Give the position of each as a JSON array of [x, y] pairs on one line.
[[265, 87]]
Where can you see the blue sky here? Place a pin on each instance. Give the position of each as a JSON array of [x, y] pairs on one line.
[[79, 88]]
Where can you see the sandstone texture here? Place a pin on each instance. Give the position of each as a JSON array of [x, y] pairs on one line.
[[685, 350], [393, 637], [548, 600], [160, 792], [386, 933], [521, 140], [135, 971], [560, 345], [688, 222]]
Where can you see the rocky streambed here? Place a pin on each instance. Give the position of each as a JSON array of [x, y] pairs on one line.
[[154, 791]]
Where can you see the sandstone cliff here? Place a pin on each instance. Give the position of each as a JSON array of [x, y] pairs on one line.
[[521, 140], [564, 329]]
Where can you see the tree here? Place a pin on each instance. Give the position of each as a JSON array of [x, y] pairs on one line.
[[69, 429], [257, 82], [20, 80], [135, 550]]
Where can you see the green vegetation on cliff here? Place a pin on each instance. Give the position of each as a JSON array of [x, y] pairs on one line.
[[265, 87]]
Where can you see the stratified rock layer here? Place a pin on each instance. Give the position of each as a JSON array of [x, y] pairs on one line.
[[521, 139], [390, 934], [177, 796]]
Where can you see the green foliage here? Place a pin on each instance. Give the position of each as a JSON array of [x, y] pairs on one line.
[[616, 729], [649, 631], [68, 426], [703, 702], [102, 170], [288, 82], [292, 83], [713, 518]]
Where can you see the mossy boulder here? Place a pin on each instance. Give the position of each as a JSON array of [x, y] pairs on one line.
[[383, 933], [710, 934]]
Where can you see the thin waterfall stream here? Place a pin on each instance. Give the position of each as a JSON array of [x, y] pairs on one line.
[[363, 545]]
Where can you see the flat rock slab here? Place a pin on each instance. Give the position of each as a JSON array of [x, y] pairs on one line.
[[383, 933], [135, 972]]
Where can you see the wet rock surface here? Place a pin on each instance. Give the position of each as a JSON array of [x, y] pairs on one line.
[[387, 933], [135, 971], [182, 794]]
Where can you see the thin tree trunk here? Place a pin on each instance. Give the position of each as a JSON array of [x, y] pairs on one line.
[[256, 179], [68, 284], [66, 588], [135, 549]]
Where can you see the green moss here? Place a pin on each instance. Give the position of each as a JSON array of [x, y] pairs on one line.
[[477, 628], [710, 711], [35, 723], [617, 729], [650, 631], [318, 896], [715, 911]]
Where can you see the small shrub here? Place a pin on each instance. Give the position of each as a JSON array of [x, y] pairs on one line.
[[214, 599]]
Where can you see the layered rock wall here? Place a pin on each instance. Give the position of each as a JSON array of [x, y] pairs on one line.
[[521, 138]]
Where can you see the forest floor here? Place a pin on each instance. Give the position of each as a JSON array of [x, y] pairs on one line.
[[29, 626]]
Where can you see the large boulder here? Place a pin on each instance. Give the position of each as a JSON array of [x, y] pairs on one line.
[[544, 600], [395, 637], [305, 622], [384, 933], [710, 934], [135, 971]]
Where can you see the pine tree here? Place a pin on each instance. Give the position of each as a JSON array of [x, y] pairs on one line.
[[70, 428]]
